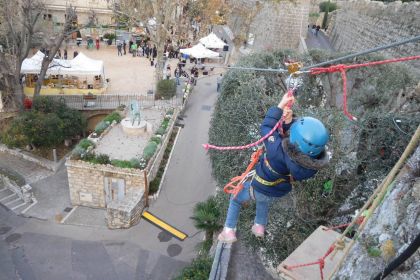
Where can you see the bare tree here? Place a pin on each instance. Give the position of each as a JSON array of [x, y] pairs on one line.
[[53, 43], [17, 30], [141, 12]]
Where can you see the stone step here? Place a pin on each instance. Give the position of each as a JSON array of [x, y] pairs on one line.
[[6, 196], [20, 205], [13, 202]]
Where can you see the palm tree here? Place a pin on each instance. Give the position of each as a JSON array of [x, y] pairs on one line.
[[207, 217]]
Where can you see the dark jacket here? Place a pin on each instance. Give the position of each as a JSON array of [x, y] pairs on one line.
[[281, 160]]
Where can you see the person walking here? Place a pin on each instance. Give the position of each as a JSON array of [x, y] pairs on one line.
[[177, 74], [134, 49], [286, 159], [119, 48], [124, 46], [97, 44], [317, 30], [219, 82], [65, 54]]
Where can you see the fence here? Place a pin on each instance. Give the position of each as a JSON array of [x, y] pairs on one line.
[[113, 101]]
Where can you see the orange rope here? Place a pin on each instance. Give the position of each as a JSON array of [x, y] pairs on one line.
[[235, 185]]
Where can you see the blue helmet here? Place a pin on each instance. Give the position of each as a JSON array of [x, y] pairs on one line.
[[309, 135]]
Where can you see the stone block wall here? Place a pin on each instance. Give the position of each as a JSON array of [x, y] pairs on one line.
[[125, 213], [86, 181], [154, 163], [277, 25], [362, 24]]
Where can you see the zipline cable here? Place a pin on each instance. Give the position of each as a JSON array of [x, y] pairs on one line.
[[307, 68]]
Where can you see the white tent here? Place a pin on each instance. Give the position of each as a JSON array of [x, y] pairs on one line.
[[81, 65], [199, 51], [212, 41]]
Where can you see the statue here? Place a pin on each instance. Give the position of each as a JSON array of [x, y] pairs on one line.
[[134, 112]]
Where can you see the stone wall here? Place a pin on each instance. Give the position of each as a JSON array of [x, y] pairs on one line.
[[125, 213], [276, 25], [394, 224], [86, 181], [155, 161], [362, 24]]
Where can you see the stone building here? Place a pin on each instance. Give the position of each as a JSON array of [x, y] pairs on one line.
[[362, 24], [56, 11], [271, 24], [123, 192]]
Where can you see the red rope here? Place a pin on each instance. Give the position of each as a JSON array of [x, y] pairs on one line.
[[278, 125], [358, 222], [342, 69], [320, 262], [231, 188]]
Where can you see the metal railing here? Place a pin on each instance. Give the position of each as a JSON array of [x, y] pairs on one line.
[[113, 101]]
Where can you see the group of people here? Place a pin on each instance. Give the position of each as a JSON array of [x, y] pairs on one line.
[[59, 54], [315, 29]]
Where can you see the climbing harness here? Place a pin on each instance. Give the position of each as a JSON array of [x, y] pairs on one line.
[[235, 185]]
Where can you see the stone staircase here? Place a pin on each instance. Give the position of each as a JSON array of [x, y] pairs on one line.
[[12, 201]]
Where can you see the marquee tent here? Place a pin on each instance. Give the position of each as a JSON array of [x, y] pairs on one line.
[[199, 51], [80, 65], [211, 41]]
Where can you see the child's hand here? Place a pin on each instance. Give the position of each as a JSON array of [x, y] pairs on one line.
[[285, 100], [288, 116]]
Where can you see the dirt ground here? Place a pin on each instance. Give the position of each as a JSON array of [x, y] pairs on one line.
[[128, 74]]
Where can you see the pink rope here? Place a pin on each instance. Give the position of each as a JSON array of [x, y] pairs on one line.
[[244, 147]]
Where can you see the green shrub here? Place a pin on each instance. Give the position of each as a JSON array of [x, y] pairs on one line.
[[156, 139], [135, 163], [154, 186], [100, 127], [132, 163], [102, 159], [170, 111], [199, 269], [77, 152], [45, 104], [96, 159], [149, 150], [46, 125], [165, 89], [85, 143], [327, 6], [165, 123], [114, 116], [161, 131]]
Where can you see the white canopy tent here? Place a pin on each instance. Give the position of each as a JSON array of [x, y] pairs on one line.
[[80, 65], [211, 41], [199, 51]]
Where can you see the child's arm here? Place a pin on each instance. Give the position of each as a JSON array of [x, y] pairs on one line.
[[274, 114]]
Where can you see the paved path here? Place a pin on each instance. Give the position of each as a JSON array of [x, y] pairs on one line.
[[30, 171], [318, 42], [37, 249]]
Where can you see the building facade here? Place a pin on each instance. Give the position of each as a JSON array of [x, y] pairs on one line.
[[56, 11]]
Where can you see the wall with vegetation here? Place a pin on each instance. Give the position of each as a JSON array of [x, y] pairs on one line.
[[363, 24]]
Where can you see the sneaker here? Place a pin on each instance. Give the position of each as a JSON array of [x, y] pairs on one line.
[[258, 230], [228, 235]]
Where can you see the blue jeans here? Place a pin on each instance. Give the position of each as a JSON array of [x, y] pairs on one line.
[[263, 203]]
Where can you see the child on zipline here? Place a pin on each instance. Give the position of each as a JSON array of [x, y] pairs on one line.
[[286, 159]]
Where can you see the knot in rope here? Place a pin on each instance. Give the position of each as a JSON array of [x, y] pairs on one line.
[[330, 69]]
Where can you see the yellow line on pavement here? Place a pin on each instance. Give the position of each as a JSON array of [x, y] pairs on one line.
[[163, 225]]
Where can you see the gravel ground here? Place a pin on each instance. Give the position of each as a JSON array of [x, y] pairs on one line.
[[118, 145]]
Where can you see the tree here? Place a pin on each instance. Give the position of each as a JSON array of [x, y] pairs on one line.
[[157, 16], [52, 43], [207, 217], [18, 30]]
